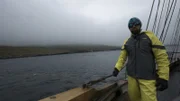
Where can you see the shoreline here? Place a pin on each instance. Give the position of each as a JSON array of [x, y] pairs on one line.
[[15, 56], [11, 52]]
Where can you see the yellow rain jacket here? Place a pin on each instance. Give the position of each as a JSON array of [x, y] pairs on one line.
[[142, 51]]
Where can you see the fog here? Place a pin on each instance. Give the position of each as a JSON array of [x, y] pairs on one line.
[[57, 22]]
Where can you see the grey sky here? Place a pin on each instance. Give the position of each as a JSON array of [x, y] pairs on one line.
[[48, 22]]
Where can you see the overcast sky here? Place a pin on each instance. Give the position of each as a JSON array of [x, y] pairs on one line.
[[55, 22]]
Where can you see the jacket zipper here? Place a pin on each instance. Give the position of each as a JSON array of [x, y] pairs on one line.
[[137, 46], [135, 58], [139, 43]]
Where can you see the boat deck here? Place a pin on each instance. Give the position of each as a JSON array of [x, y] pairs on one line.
[[173, 91]]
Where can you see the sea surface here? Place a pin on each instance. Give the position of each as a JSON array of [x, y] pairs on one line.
[[34, 78]]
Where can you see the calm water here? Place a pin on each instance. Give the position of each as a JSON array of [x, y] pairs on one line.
[[31, 79]]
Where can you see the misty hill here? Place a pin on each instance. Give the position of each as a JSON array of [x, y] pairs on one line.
[[30, 51]]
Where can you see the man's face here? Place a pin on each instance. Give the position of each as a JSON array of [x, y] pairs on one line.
[[135, 29]]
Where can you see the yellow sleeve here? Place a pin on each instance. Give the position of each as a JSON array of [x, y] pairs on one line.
[[160, 55], [122, 58]]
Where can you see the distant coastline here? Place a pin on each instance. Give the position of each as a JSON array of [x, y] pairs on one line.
[[10, 52]]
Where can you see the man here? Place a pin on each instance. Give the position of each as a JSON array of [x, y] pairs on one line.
[[144, 51]]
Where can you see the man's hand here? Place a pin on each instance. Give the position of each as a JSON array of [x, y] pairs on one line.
[[161, 84], [115, 72]]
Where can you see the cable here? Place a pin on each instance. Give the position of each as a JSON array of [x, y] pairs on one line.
[[161, 37], [150, 15], [160, 19], [169, 21], [156, 16], [175, 38]]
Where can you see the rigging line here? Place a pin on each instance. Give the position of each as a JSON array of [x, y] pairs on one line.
[[175, 36], [170, 20], [156, 16], [176, 33], [172, 13], [175, 27], [164, 11], [177, 48], [162, 33], [160, 19], [176, 45], [171, 42], [168, 7], [150, 15], [175, 40], [166, 19]]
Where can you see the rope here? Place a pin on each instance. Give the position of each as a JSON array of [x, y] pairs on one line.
[[169, 21], [150, 15], [161, 37], [155, 21], [158, 27]]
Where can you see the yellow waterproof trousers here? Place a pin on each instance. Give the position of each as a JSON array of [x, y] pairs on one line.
[[141, 90]]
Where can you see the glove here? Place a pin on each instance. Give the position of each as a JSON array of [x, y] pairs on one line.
[[161, 84], [115, 72]]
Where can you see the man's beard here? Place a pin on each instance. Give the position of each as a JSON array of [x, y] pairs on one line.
[[136, 32]]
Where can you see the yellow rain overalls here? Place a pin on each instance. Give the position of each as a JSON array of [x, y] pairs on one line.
[[143, 53]]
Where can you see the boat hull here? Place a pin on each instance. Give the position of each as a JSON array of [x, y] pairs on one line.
[[114, 91]]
